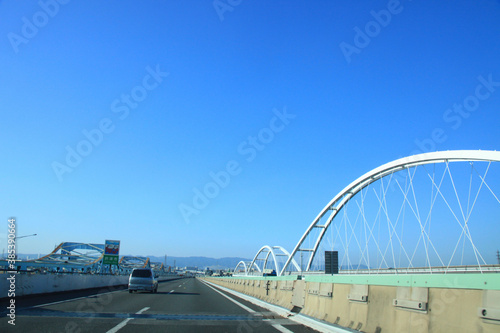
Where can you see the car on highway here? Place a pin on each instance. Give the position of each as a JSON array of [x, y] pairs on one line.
[[142, 279]]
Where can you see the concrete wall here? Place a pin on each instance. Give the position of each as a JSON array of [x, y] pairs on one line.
[[30, 284], [371, 308]]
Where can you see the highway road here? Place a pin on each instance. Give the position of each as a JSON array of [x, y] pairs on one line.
[[184, 305]]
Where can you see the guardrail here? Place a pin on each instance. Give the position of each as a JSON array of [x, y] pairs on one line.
[[395, 271]]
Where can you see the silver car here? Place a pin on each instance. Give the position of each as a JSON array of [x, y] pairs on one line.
[[142, 279]]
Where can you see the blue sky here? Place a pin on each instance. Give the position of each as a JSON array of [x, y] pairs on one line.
[[172, 92]]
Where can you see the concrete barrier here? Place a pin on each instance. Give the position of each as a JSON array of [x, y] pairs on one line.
[[31, 284], [395, 303]]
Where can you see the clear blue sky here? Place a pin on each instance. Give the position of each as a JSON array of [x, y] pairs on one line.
[[354, 101]]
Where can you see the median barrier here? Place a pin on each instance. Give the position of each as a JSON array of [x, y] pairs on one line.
[[32, 284]]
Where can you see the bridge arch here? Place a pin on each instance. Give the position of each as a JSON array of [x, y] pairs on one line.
[[241, 263], [274, 252], [246, 267], [340, 200]]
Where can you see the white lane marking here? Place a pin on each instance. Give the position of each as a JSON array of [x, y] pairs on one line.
[[119, 326], [276, 326], [123, 323], [281, 328], [285, 313], [171, 291], [143, 310], [75, 299], [232, 300]]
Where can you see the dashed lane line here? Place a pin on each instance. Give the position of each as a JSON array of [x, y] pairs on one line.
[[124, 323]]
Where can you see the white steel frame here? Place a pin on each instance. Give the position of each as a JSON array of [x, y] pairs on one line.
[[340, 200], [274, 251]]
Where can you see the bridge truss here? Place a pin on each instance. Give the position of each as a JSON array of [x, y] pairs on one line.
[[267, 258], [431, 213], [74, 257], [128, 263], [69, 257], [243, 268]]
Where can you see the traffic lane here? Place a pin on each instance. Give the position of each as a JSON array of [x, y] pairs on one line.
[[81, 325], [72, 312], [191, 306], [119, 301], [39, 299], [194, 307], [58, 325], [193, 297], [104, 311], [196, 326], [180, 306], [82, 314], [270, 318], [112, 302]]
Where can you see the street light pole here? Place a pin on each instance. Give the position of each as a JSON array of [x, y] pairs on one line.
[[16, 238], [25, 236]]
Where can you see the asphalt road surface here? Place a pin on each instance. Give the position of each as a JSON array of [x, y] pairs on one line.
[[185, 305]]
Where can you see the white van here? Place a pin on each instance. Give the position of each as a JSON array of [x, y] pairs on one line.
[[142, 279]]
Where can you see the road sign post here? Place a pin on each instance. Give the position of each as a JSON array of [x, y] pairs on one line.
[[111, 252]]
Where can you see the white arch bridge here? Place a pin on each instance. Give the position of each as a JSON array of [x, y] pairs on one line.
[[435, 212]]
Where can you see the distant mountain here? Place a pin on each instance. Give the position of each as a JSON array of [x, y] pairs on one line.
[[200, 262]]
